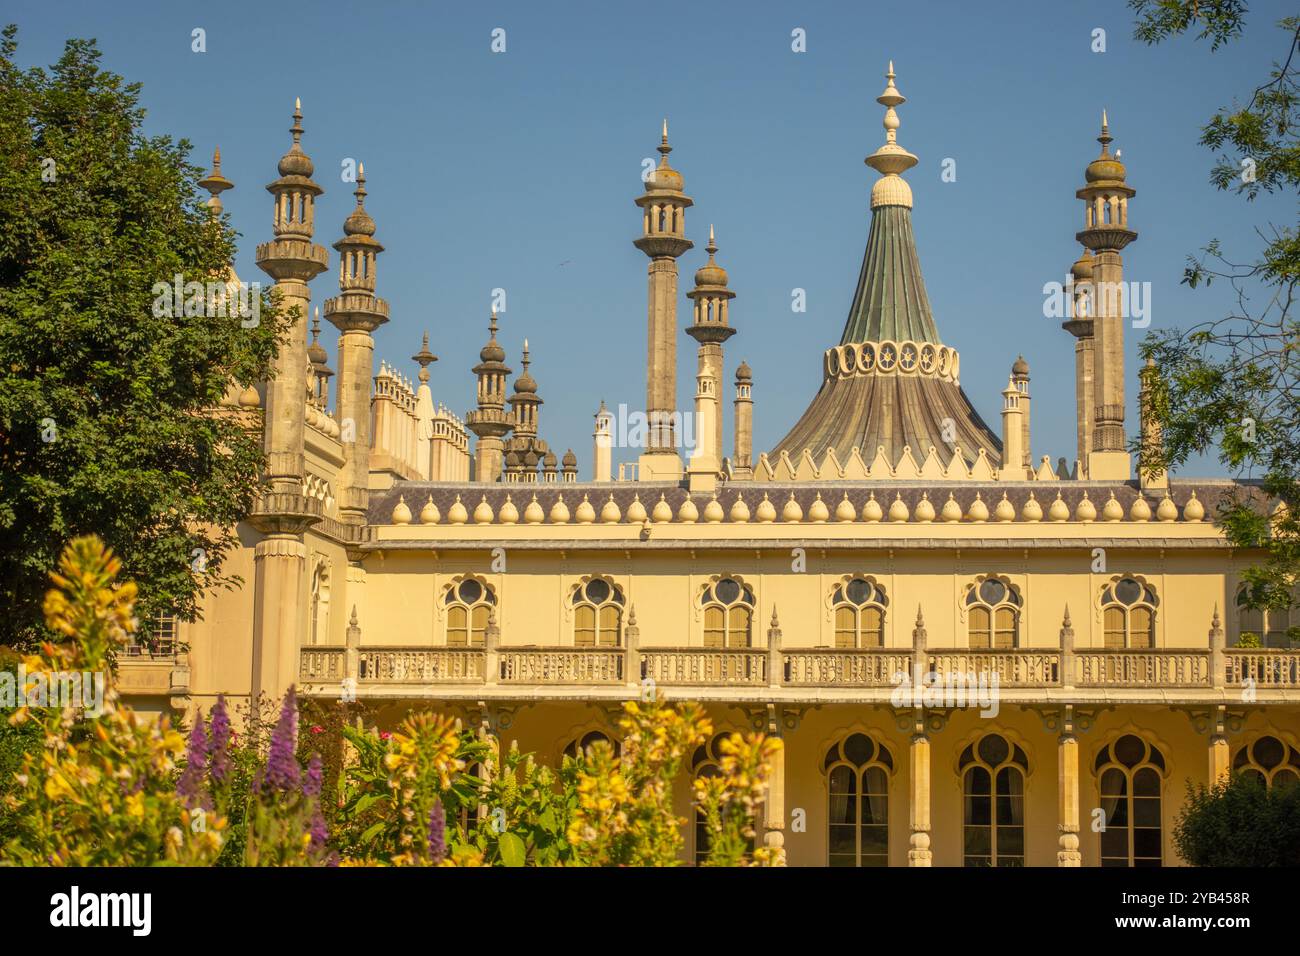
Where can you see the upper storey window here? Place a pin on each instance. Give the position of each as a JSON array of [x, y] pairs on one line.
[[859, 613], [597, 614], [993, 613], [1271, 626], [1129, 610], [728, 613], [468, 603]]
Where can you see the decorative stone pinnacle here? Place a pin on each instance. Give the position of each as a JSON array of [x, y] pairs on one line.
[[424, 358], [712, 247], [1066, 621], [664, 148], [215, 183]]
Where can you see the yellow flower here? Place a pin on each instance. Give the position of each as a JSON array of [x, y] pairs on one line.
[[135, 805]]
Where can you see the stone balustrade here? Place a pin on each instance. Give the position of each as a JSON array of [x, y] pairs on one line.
[[812, 667]]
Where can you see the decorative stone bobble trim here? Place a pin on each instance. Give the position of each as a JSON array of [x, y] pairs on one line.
[[1167, 510], [1085, 511], [1193, 510], [508, 514], [979, 511], [1139, 510], [1112, 510], [871, 510], [1059, 511], [844, 511], [636, 511], [713, 513], [739, 510], [792, 511], [457, 514], [1005, 510], [585, 514], [951, 510], [898, 510], [401, 513], [663, 512], [559, 511], [818, 512], [1031, 511], [429, 513], [483, 512], [611, 513], [688, 513], [766, 513], [924, 509], [533, 514]]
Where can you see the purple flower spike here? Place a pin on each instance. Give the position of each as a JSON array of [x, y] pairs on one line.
[[219, 765], [437, 834], [282, 771], [311, 784], [189, 786]]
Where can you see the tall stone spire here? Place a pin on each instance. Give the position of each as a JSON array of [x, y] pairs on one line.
[[1105, 196], [1079, 324], [356, 312], [489, 421], [742, 465], [663, 239], [424, 412], [890, 384], [292, 260], [711, 327]]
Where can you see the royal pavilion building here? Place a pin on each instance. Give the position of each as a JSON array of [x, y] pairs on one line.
[[973, 655]]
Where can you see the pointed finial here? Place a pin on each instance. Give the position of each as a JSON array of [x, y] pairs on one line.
[[1066, 621], [296, 128], [775, 622], [1105, 138], [424, 358], [353, 622], [891, 159], [920, 618], [215, 183], [315, 325], [664, 148]]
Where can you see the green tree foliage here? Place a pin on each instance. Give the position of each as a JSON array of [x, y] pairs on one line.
[[106, 409], [1239, 823], [1233, 384]]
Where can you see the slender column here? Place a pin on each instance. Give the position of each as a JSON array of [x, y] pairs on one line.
[[1219, 766], [774, 802], [1067, 787], [918, 853]]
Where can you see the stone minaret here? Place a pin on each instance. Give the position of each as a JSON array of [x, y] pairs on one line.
[[1013, 467], [425, 413], [284, 513], [742, 466], [1080, 326], [525, 404], [1020, 376], [356, 312], [490, 421], [292, 260], [663, 239], [602, 443], [1106, 231], [710, 327]]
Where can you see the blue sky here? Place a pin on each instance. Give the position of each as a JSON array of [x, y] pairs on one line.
[[518, 169]]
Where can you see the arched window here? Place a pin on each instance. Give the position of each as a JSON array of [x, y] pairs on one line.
[[728, 613], [1269, 761], [707, 762], [597, 614], [580, 745], [859, 613], [993, 614], [1130, 775], [993, 794], [857, 771], [1129, 614], [1270, 625], [320, 603], [468, 603]]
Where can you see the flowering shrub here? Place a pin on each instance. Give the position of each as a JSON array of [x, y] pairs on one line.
[[730, 802], [107, 796], [117, 788]]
